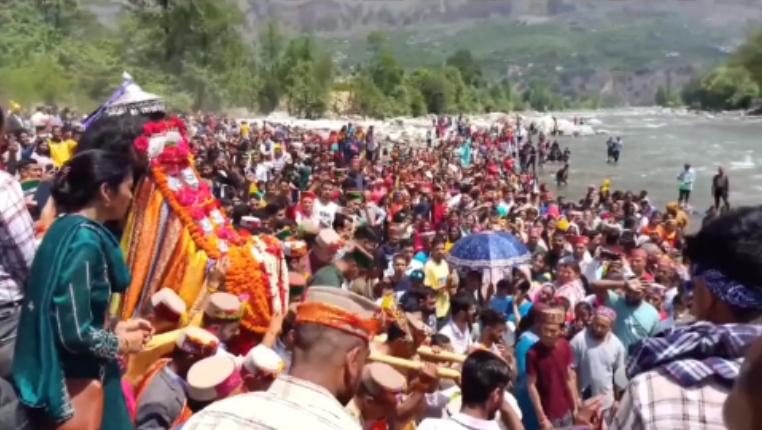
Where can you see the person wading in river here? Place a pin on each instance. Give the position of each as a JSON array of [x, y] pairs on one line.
[[686, 179], [721, 189]]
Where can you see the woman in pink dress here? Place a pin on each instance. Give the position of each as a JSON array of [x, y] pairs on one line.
[[568, 283]]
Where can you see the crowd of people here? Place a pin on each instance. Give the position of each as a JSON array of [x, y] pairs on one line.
[[616, 319]]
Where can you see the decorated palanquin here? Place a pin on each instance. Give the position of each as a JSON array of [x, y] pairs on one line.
[[176, 231]]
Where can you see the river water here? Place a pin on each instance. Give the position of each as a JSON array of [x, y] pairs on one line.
[[656, 145]]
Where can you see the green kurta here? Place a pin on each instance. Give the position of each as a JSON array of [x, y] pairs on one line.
[[328, 276], [64, 321]]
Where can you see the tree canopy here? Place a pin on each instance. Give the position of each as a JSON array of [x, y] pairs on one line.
[[731, 85], [192, 52]]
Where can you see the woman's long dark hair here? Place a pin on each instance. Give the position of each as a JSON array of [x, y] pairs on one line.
[[79, 181], [117, 134]]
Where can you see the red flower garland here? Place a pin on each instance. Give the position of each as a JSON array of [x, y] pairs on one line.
[[198, 208]]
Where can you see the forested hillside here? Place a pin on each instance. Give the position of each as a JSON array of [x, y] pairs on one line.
[[207, 54]]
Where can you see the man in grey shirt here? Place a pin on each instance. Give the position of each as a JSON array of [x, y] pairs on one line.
[[599, 358]]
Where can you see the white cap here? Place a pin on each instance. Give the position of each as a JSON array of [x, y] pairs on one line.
[[213, 378], [198, 341], [263, 359], [167, 304]]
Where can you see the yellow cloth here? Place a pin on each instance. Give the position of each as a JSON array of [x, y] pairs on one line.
[[61, 152], [606, 186], [245, 130], [160, 346], [436, 278]]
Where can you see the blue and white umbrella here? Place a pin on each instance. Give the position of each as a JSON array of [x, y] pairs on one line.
[[488, 250]]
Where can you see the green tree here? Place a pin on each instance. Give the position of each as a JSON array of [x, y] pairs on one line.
[[305, 75], [732, 85], [470, 70], [386, 72], [749, 57], [728, 88], [376, 42], [437, 92], [192, 53], [271, 46]]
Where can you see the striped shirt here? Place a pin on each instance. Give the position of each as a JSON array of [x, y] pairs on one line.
[[289, 404], [17, 245]]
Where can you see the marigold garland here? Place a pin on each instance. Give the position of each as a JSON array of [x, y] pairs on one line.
[[197, 234], [247, 278], [196, 208]]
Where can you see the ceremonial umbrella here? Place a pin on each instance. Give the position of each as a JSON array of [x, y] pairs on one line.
[[488, 250]]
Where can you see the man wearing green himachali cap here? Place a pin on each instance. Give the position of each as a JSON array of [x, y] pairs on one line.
[[355, 205], [344, 270]]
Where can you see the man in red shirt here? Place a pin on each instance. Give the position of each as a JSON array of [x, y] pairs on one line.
[[552, 386]]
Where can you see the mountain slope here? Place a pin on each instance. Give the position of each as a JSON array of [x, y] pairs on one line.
[[621, 50]]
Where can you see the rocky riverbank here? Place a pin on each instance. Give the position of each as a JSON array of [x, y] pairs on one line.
[[408, 130]]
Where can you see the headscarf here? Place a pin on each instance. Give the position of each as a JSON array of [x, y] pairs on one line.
[[728, 290], [606, 312], [538, 292]]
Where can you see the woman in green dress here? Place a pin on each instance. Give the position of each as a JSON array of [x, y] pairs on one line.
[[65, 331]]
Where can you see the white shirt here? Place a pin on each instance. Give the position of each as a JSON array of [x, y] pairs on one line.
[[40, 119], [686, 179], [289, 404], [454, 201], [458, 422], [17, 243], [509, 338], [323, 215], [262, 171], [279, 162], [461, 340]]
